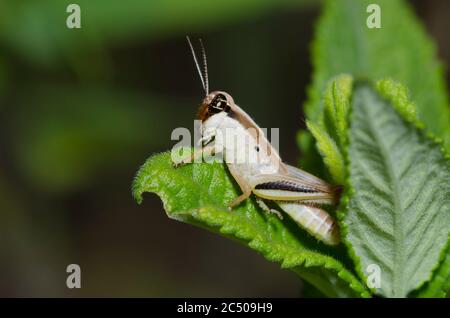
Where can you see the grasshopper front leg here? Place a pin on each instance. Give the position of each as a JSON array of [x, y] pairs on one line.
[[199, 153]]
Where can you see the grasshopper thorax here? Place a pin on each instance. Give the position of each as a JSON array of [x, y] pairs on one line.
[[214, 103]]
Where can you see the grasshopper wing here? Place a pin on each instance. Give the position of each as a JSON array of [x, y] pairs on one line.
[[293, 184]]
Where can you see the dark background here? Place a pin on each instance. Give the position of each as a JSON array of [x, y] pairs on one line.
[[81, 110]]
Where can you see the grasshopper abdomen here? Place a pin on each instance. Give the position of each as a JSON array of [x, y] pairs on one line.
[[314, 220]]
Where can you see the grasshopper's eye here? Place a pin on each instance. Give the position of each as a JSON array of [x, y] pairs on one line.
[[215, 103], [218, 104]]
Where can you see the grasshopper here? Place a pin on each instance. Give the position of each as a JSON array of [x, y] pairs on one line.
[[294, 191]]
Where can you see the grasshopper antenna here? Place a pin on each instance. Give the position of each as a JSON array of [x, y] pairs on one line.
[[205, 67], [204, 83]]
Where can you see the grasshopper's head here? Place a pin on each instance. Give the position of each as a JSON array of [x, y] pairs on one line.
[[215, 103]]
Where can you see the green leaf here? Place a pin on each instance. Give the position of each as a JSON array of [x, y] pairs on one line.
[[400, 49], [330, 152], [331, 130], [439, 286], [399, 204], [336, 107], [199, 193], [398, 95]]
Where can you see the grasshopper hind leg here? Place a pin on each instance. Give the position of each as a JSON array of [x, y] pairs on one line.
[[243, 185], [239, 199]]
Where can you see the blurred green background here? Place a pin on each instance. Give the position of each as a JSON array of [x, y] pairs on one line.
[[81, 110]]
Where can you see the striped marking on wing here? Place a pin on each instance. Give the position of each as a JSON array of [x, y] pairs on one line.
[[279, 189], [284, 185]]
